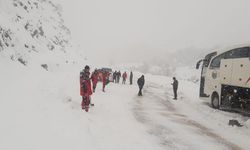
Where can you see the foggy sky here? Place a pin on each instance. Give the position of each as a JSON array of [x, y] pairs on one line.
[[139, 30]]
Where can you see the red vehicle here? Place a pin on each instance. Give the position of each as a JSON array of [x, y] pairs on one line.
[[109, 76]]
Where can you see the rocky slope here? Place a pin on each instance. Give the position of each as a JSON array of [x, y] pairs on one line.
[[32, 32]]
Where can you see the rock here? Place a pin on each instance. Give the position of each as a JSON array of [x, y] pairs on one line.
[[234, 122]]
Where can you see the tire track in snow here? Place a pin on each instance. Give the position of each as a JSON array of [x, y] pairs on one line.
[[157, 130], [156, 105]]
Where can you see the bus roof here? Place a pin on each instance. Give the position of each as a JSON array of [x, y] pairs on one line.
[[225, 49]]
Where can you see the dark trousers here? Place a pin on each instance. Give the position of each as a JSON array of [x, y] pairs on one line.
[[103, 86], [140, 92], [94, 86], [85, 102], [123, 81], [175, 93]]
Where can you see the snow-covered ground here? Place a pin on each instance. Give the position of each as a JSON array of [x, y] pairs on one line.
[[40, 107], [41, 110], [190, 123]]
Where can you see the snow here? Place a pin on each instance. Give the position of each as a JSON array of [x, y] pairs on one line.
[[44, 113], [41, 110]]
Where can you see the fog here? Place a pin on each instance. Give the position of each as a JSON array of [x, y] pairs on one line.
[[148, 30]]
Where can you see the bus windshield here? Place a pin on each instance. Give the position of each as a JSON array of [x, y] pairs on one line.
[[208, 58]]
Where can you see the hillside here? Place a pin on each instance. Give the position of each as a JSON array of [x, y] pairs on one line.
[[33, 33]]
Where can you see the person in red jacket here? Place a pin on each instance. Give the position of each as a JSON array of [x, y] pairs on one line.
[[104, 80], [124, 77], [85, 86], [94, 78]]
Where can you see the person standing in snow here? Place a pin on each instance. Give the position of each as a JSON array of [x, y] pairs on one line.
[[118, 76], [85, 86], [175, 87], [114, 76], [131, 78], [140, 82], [104, 79], [94, 78], [124, 77]]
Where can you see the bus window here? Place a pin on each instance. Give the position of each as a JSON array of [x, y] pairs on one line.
[[242, 52], [216, 62], [207, 59]]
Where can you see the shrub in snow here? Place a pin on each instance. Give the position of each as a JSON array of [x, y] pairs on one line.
[[22, 61], [45, 66], [26, 46], [50, 46], [12, 57]]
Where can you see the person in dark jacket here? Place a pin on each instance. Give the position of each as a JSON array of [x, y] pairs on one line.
[[131, 78], [118, 76], [114, 76], [140, 83], [104, 79], [175, 87]]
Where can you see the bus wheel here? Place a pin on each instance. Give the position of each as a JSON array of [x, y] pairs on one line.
[[215, 101]]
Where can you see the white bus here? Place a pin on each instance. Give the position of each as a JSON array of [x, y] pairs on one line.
[[225, 78]]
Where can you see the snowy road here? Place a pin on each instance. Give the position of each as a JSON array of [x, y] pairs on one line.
[[174, 128], [122, 120]]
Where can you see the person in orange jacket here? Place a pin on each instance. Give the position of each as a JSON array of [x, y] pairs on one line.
[[85, 88], [94, 78]]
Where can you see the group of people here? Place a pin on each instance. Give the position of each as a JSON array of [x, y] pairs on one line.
[[117, 75], [86, 79], [141, 82], [85, 84]]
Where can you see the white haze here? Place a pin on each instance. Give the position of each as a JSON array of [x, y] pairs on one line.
[[145, 30]]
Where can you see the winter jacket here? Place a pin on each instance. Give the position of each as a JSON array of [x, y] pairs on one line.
[[175, 84], [114, 75], [124, 75], [141, 82], [119, 74], [131, 75], [85, 84], [104, 77], [94, 78]]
